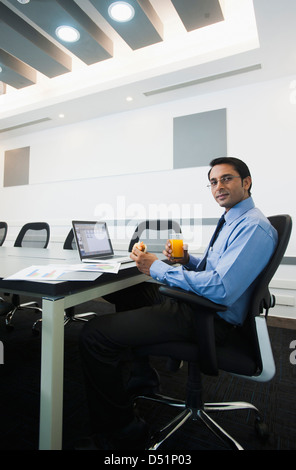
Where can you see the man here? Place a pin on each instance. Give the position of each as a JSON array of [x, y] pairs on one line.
[[225, 275]]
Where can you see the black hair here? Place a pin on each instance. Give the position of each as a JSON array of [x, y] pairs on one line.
[[236, 163]]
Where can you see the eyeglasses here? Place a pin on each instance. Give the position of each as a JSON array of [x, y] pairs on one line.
[[223, 180]]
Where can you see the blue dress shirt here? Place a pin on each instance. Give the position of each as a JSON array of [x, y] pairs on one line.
[[244, 246]]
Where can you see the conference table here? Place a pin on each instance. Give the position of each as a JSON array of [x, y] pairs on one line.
[[56, 297]]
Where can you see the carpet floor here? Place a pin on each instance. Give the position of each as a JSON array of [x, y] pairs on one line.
[[20, 386]]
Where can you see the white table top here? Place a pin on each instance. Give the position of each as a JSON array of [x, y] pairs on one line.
[[14, 259]]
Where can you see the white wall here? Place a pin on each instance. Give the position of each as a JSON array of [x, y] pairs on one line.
[[71, 167]]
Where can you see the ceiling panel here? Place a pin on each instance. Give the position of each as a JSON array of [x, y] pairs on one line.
[[197, 14], [241, 50], [21, 40], [145, 28], [93, 46], [29, 42], [15, 72]]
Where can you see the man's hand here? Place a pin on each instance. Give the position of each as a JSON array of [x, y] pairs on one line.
[[143, 260], [168, 253]]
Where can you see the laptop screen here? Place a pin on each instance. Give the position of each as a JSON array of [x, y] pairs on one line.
[[92, 239]]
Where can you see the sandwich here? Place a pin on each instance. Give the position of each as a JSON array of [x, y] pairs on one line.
[[141, 246]]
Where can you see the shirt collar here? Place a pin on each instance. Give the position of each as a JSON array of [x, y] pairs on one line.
[[238, 210]]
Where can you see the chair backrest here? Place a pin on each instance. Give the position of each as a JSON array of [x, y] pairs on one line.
[[3, 232], [70, 242], [154, 233], [252, 342], [261, 297], [33, 235]]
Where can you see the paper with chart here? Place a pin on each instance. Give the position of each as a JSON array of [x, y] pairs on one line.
[[59, 272]]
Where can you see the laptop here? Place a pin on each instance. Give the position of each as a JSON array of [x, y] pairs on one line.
[[94, 244]]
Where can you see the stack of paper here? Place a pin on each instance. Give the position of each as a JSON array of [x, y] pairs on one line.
[[59, 272]]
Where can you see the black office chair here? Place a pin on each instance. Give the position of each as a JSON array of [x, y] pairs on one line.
[[3, 232], [70, 242], [248, 355], [31, 235], [154, 233]]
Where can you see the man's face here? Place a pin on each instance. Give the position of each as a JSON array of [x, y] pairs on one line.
[[229, 191]]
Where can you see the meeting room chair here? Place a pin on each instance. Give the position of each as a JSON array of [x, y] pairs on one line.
[[248, 355], [31, 235], [3, 232], [154, 233], [70, 242]]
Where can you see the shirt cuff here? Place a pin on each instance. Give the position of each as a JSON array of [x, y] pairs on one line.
[[158, 270]]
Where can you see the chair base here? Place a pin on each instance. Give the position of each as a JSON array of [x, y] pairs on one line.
[[67, 318], [201, 414], [78, 317], [27, 306]]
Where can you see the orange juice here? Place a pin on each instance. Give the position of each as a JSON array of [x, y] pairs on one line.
[[177, 248]]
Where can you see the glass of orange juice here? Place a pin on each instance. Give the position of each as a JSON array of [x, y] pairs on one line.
[[176, 241]]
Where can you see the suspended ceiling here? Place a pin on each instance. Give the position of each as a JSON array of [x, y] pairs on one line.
[[169, 50]]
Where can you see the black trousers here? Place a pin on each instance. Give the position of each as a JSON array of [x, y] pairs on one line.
[[107, 344]]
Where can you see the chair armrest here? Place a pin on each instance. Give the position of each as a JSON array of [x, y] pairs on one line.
[[191, 298]]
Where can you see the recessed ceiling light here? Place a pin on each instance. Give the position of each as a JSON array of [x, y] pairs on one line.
[[129, 98], [121, 11], [23, 1], [61, 115], [0, 69], [67, 33]]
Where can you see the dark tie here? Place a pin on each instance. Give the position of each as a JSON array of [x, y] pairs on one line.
[[217, 230], [202, 264]]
